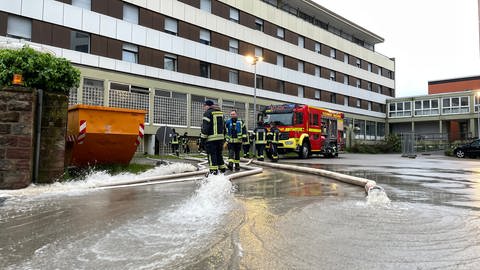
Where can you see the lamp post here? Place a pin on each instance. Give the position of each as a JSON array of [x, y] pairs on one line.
[[253, 60]]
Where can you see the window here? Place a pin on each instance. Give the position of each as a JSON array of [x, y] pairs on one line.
[[205, 69], [170, 62], [370, 130], [317, 94], [333, 98], [380, 131], [280, 60], [358, 103], [234, 15], [346, 58], [369, 86], [281, 87], [86, 4], [453, 105], [298, 118], [301, 42], [19, 27], [345, 101], [477, 102], [80, 41], [300, 66], [130, 13], [130, 53], [369, 67], [300, 91], [318, 47], [233, 76], [379, 89], [317, 71], [259, 82], [400, 109], [426, 107], [171, 26], [233, 46], [259, 24], [205, 36], [346, 79], [206, 5], [333, 53], [359, 63], [333, 75], [258, 52], [280, 32], [369, 106], [358, 83], [379, 70]]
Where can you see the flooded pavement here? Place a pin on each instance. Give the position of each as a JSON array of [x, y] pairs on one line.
[[276, 220]]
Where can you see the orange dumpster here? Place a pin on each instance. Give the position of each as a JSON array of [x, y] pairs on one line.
[[102, 135]]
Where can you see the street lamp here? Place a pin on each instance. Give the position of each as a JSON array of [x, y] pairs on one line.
[[253, 60]]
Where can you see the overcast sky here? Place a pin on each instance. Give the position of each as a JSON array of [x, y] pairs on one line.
[[429, 39]]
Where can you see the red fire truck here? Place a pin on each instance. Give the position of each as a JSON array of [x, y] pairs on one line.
[[306, 129]]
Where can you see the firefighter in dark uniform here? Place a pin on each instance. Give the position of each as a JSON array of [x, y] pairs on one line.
[[273, 140], [260, 140], [235, 132], [174, 140], [213, 136], [246, 145]]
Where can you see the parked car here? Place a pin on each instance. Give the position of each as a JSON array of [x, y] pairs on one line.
[[468, 150]]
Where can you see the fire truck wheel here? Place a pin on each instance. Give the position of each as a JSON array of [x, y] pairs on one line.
[[304, 150]]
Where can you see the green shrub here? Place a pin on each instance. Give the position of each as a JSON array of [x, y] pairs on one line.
[[391, 144], [39, 70]]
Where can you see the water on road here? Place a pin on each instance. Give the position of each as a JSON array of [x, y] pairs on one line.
[[276, 220]]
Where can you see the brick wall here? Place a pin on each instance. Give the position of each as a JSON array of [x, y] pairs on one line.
[[16, 137]]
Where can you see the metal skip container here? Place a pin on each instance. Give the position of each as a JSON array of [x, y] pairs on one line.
[[102, 135]]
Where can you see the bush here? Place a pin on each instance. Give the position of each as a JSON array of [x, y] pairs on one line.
[[39, 70], [391, 144]]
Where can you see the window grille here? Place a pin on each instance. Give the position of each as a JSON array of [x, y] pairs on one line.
[[170, 111], [93, 92], [130, 100]]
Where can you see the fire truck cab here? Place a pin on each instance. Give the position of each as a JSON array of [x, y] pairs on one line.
[[305, 129]]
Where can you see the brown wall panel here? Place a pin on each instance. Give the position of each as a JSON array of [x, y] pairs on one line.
[[114, 49], [220, 9], [100, 6], [193, 3], [99, 45], [340, 99], [290, 63], [309, 92], [145, 56], [60, 36], [145, 17], [325, 49], [3, 23], [309, 44], [158, 22], [325, 73], [41, 32], [270, 56], [291, 89], [291, 37], [364, 105], [309, 68], [245, 48], [188, 65], [270, 84], [245, 78], [219, 73], [325, 96], [188, 31], [247, 20], [269, 28], [219, 41], [115, 8], [157, 58]]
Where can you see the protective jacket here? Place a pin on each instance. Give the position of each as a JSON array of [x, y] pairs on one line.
[[212, 125], [273, 135], [235, 130], [260, 135]]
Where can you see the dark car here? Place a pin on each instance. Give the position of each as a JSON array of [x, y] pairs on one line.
[[468, 150]]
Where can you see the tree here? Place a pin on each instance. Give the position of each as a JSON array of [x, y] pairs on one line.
[[39, 70]]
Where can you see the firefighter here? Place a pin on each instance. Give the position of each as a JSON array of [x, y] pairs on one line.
[[273, 140], [174, 140], [246, 144], [235, 132], [185, 139], [213, 136], [260, 140]]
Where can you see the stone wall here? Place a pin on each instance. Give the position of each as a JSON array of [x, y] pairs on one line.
[[17, 107], [52, 139]]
